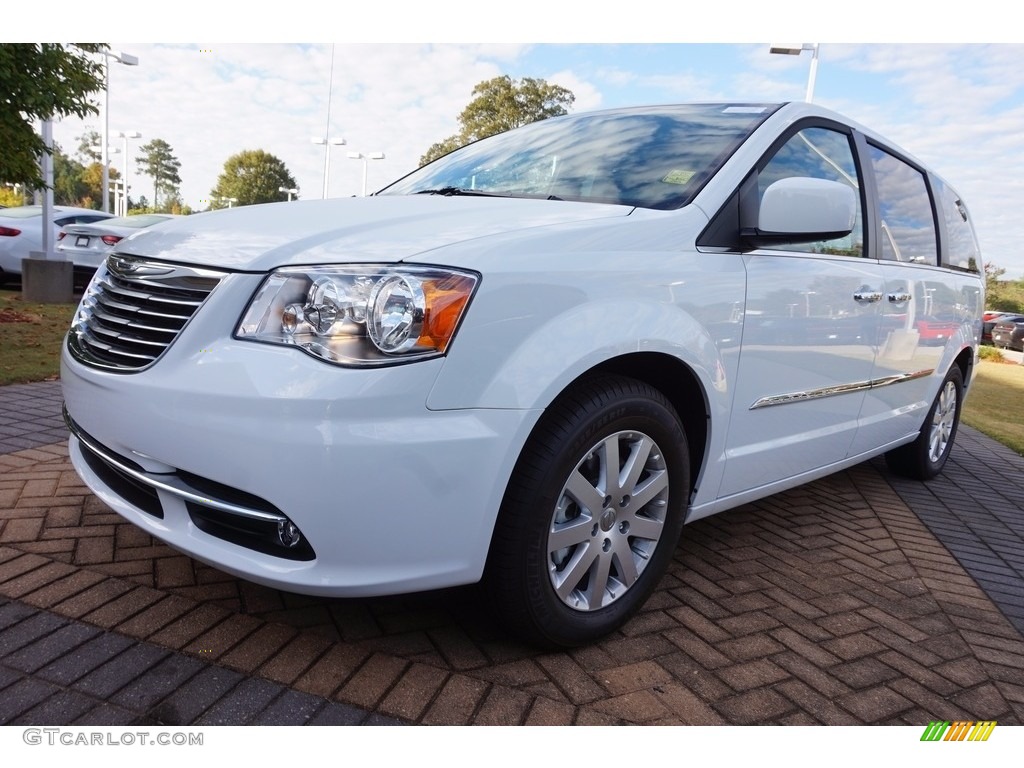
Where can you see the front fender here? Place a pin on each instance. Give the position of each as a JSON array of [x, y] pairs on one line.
[[523, 360]]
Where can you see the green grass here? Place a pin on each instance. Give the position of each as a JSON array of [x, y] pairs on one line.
[[30, 337], [993, 404]]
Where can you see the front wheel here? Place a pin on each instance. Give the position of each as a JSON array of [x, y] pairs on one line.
[[592, 513], [924, 458]]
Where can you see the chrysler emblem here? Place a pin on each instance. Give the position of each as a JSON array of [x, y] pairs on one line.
[[121, 265], [127, 266]]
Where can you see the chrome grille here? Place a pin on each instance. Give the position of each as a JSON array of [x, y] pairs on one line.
[[134, 308]]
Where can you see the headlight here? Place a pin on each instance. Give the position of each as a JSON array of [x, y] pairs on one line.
[[363, 314]]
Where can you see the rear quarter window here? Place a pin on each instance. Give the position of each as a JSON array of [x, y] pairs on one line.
[[961, 241]]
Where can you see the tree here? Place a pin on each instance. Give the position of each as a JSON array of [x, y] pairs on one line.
[[159, 163], [993, 285], [12, 196], [250, 177], [78, 180], [501, 104], [40, 81], [69, 186], [1002, 295], [90, 146]]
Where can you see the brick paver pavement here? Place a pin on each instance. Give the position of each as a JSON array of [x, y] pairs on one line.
[[855, 599]]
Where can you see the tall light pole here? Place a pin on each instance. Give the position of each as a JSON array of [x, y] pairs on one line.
[[290, 192], [118, 188], [131, 61], [792, 49], [327, 142], [112, 183], [46, 160], [365, 158], [124, 136]]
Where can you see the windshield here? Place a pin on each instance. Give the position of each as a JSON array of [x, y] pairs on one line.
[[655, 157]]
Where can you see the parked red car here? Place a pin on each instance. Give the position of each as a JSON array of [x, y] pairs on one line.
[[934, 330]]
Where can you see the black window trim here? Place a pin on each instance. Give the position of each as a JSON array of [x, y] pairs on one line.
[[745, 199]]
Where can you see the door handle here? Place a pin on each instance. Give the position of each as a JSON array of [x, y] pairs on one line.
[[899, 298], [867, 297]]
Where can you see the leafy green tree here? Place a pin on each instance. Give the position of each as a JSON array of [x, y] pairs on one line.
[[69, 186], [78, 180], [11, 197], [39, 81], [159, 163], [994, 288], [90, 147], [250, 177], [1002, 295], [500, 104]]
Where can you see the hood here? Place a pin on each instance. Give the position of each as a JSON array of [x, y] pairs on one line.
[[359, 229]]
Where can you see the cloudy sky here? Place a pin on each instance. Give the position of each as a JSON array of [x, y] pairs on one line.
[[957, 107]]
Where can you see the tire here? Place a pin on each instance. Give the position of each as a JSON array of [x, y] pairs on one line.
[[924, 458], [574, 555]]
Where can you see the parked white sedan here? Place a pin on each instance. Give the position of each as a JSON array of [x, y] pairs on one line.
[[531, 361], [21, 232], [87, 245]]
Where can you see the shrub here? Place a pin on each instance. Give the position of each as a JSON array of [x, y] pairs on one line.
[[990, 353]]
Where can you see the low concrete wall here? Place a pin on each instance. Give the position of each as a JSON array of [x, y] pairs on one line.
[[46, 281]]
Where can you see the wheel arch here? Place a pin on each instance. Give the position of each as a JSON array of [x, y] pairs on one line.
[[680, 385], [965, 360], [674, 379]]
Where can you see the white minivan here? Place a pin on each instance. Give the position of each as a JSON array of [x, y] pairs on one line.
[[531, 361]]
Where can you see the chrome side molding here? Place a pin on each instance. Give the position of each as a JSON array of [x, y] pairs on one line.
[[841, 389]]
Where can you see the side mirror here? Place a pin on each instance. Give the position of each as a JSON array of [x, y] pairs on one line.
[[804, 210]]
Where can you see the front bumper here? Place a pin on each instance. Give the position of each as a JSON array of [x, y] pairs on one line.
[[389, 496]]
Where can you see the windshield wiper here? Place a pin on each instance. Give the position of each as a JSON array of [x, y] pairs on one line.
[[452, 191]]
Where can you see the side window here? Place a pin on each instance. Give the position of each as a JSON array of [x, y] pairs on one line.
[[818, 153], [908, 225], [962, 250]]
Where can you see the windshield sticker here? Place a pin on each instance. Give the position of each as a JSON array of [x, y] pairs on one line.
[[743, 110], [678, 177]]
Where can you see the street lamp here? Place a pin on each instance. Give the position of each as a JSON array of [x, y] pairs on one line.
[[124, 136], [131, 61], [807, 301], [792, 49], [112, 183], [117, 186], [327, 142], [290, 192], [364, 158]]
